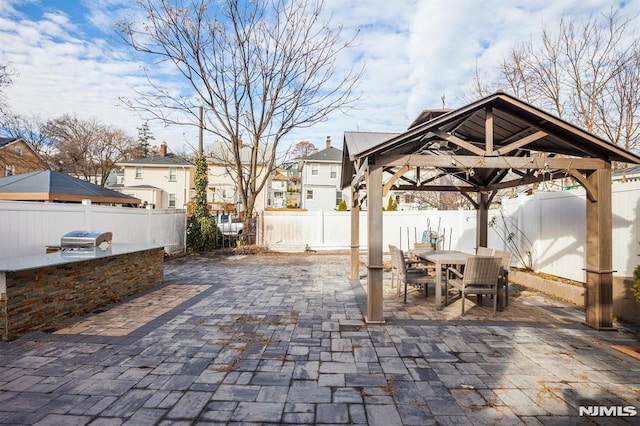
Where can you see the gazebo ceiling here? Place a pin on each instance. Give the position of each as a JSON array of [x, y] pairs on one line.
[[496, 142]]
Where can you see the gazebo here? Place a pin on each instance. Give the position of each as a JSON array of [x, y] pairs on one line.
[[494, 143], [51, 186]]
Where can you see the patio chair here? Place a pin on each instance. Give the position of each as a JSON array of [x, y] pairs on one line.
[[411, 263], [484, 251], [416, 277], [503, 280], [480, 277]]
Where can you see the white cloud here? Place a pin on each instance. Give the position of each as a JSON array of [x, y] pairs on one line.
[[414, 50]]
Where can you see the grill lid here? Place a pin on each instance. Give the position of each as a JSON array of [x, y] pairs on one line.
[[85, 239]]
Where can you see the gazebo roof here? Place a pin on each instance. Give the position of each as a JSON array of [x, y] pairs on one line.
[[517, 130], [54, 186]]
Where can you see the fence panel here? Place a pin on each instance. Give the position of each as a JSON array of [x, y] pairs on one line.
[[556, 224], [26, 228], [332, 230]]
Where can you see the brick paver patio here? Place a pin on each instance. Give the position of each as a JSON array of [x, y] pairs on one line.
[[281, 339]]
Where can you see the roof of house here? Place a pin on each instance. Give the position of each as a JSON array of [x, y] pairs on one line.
[[50, 185], [632, 170], [159, 160], [221, 153], [7, 141], [146, 187], [329, 155]]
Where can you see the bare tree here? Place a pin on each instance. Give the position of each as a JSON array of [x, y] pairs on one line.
[[595, 55], [5, 80], [260, 69], [28, 128], [86, 148], [584, 72], [619, 119], [302, 149]]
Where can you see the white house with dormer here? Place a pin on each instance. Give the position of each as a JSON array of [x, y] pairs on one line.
[[320, 179], [160, 181]]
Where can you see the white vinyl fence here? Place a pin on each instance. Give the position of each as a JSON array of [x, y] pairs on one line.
[[320, 230], [553, 222], [26, 228], [556, 224]]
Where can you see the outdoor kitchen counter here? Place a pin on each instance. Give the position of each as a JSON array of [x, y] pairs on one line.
[[15, 264], [42, 292]]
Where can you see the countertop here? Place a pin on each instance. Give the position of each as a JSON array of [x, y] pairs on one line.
[[16, 264]]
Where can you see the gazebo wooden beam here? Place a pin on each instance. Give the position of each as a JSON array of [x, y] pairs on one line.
[[520, 143], [393, 179], [599, 269], [488, 130], [592, 193], [457, 141], [374, 232], [355, 234], [484, 162], [361, 170]]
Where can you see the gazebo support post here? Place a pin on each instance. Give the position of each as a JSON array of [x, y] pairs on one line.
[[355, 235], [374, 240], [482, 219], [599, 291]]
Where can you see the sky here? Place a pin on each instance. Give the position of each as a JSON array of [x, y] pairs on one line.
[[66, 58]]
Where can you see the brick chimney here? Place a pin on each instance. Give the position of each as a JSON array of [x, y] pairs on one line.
[[328, 142], [163, 149]]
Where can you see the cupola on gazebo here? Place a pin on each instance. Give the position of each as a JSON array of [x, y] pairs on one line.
[[494, 143]]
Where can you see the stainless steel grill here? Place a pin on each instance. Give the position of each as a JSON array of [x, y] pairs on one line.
[[85, 240]]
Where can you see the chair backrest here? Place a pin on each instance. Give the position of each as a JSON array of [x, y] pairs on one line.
[[397, 257], [484, 251], [482, 270], [506, 257], [394, 258], [424, 246]]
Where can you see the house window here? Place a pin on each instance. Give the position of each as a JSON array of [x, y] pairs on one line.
[[172, 201], [338, 197], [173, 174], [9, 170], [138, 172], [309, 194], [19, 151], [315, 170], [334, 172]]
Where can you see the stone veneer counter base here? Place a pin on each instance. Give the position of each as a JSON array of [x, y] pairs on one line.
[[41, 292]]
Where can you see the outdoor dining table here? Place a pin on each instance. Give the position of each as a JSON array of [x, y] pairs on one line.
[[441, 258]]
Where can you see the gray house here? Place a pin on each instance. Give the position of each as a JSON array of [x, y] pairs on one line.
[[320, 174]]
